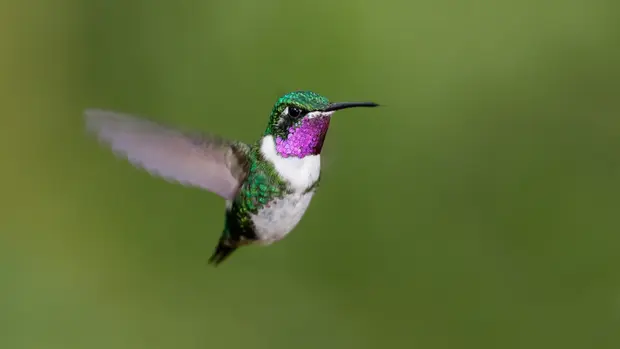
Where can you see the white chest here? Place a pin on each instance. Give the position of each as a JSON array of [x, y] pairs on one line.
[[300, 173], [274, 222]]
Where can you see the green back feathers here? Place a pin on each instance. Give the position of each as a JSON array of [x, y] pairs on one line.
[[261, 185]]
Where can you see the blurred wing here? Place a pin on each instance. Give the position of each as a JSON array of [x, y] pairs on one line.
[[203, 161]]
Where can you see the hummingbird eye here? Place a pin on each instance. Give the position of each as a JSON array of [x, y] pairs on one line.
[[295, 112]]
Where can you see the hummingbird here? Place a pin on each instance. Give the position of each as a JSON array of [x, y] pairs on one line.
[[267, 185]]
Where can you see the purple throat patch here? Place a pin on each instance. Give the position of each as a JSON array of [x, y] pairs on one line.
[[305, 138]]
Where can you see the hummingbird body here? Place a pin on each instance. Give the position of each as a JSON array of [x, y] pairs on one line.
[[296, 180], [268, 185]]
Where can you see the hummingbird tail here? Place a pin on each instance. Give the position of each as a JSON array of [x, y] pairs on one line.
[[222, 251]]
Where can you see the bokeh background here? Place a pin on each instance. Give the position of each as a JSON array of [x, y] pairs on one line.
[[477, 209]]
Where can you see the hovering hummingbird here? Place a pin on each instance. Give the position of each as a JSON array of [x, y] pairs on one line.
[[267, 185]]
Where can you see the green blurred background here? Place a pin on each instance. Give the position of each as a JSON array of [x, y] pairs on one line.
[[477, 209]]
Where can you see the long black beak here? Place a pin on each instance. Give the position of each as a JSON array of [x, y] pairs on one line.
[[344, 105]]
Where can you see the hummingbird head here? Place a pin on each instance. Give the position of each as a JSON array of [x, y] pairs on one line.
[[299, 121]]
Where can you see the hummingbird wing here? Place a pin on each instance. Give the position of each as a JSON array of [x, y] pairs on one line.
[[193, 159]]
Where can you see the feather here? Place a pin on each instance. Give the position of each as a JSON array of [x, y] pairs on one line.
[[209, 162]]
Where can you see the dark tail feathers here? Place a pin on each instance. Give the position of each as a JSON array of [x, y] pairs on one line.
[[222, 251]]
